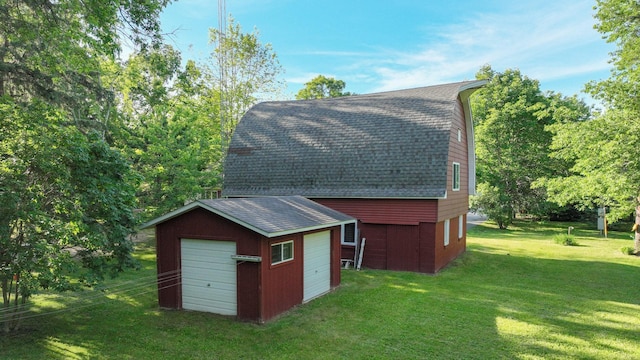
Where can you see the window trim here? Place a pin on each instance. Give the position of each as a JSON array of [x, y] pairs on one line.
[[455, 177], [281, 245], [447, 225], [355, 234]]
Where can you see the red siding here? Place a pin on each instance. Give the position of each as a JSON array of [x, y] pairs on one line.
[[281, 283], [403, 248], [427, 245], [445, 254], [197, 224], [457, 202], [403, 234], [386, 211], [375, 249], [335, 257]]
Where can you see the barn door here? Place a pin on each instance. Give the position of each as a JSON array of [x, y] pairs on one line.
[[209, 276], [317, 265], [403, 248]]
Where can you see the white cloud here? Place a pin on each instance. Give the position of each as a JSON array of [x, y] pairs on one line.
[[549, 42]]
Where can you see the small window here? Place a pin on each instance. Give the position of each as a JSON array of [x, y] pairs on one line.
[[281, 252], [446, 232], [459, 135], [456, 176], [460, 227], [349, 234]]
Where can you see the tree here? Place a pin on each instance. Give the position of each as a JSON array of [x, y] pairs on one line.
[[511, 115], [606, 150], [245, 70], [171, 131], [52, 49], [321, 87], [66, 196], [66, 203]]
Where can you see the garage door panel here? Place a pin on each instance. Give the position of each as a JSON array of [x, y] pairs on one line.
[[204, 304], [317, 264], [207, 284], [209, 280], [207, 274]]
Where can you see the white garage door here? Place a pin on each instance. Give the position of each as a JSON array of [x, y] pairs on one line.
[[209, 276], [317, 264]]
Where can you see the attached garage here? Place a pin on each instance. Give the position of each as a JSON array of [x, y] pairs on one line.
[[253, 258]]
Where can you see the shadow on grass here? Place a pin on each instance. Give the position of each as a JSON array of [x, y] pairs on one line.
[[486, 305]]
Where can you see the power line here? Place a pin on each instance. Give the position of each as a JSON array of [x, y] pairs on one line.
[[132, 288]]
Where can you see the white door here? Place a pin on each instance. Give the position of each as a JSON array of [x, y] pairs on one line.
[[209, 276], [317, 264]]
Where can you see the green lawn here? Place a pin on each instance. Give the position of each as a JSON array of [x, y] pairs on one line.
[[514, 295]]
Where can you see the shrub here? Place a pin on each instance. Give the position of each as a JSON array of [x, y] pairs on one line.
[[628, 250], [565, 239]]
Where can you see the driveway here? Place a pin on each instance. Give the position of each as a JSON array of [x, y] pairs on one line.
[[474, 219]]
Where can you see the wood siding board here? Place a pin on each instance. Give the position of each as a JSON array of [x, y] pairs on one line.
[[403, 248], [386, 211], [457, 202], [281, 283], [445, 254], [375, 250], [168, 267], [336, 255], [428, 234]]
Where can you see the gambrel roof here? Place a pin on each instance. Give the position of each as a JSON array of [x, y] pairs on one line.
[[385, 145], [268, 216]]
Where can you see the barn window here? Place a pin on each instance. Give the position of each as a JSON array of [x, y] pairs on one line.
[[281, 252], [456, 176], [349, 233], [446, 232], [460, 227]]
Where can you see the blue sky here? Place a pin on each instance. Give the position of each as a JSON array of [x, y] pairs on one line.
[[379, 45]]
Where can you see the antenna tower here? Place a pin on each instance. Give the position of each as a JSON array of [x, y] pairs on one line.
[[222, 72]]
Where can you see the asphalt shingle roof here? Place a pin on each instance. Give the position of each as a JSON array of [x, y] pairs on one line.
[[269, 216], [392, 144]]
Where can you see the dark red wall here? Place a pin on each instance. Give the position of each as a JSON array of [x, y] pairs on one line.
[[202, 224], [412, 243], [281, 283], [445, 254], [386, 211]]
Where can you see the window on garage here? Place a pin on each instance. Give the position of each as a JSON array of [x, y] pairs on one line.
[[281, 252]]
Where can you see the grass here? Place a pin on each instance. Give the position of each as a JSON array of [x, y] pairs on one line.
[[514, 294]]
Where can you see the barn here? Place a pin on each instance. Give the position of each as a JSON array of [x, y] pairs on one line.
[[401, 162], [252, 258]]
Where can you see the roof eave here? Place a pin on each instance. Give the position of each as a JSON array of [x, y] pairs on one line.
[[198, 204], [310, 228], [349, 197]]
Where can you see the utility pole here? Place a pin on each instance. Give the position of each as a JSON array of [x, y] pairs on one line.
[[222, 72]]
